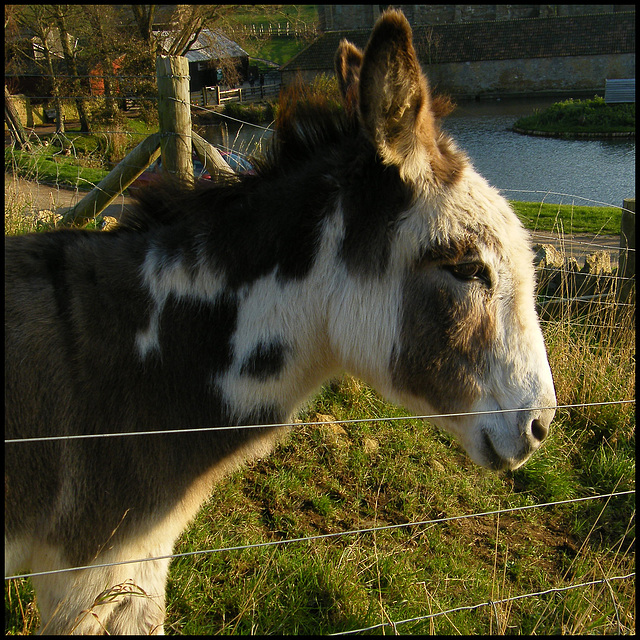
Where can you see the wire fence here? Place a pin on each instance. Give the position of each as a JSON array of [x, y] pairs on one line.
[[422, 523], [273, 543], [432, 416], [490, 603]]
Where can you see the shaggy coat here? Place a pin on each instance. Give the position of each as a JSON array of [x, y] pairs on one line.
[[365, 242]]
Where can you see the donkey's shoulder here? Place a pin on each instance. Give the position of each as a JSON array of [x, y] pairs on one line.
[[169, 202]]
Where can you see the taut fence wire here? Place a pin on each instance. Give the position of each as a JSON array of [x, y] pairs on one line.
[[489, 603], [301, 424], [272, 543]]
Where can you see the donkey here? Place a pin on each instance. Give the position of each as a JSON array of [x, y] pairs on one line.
[[365, 242]]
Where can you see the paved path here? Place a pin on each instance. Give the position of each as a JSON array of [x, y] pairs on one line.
[[42, 196], [38, 196]]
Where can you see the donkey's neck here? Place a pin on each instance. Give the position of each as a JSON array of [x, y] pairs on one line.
[[261, 343]]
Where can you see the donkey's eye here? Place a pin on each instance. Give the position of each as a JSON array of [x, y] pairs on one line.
[[470, 271]]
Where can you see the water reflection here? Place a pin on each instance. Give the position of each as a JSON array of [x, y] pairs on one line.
[[522, 167]]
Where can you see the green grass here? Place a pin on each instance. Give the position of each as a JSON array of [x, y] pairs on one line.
[[279, 49], [568, 218], [581, 116], [48, 165], [74, 159]]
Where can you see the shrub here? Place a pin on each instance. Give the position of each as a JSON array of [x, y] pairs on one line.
[[255, 112], [575, 116]]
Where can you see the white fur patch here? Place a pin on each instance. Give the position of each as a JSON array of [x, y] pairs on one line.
[[172, 278], [294, 313]]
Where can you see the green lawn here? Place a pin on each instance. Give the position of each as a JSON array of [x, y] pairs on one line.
[[278, 49], [567, 218]]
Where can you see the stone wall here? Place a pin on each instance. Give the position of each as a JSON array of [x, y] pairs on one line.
[[336, 17], [564, 285], [505, 77], [570, 75]]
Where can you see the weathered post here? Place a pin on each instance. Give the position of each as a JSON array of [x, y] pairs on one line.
[[12, 119], [627, 258], [174, 111], [210, 156], [116, 181]]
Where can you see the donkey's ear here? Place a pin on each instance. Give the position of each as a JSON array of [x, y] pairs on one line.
[[395, 102], [347, 63]]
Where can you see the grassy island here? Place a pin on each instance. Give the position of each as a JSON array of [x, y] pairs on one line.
[[576, 117]]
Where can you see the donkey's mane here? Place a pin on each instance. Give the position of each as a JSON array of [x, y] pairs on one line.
[[308, 125], [307, 120]]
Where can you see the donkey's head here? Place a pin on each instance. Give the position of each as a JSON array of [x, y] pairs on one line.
[[440, 270]]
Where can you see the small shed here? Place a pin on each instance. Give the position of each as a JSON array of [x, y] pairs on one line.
[[209, 55], [623, 90]]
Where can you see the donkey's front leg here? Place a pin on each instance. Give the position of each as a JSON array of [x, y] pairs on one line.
[[122, 600]]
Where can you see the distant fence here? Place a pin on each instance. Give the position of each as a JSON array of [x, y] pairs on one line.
[[209, 96], [277, 29]]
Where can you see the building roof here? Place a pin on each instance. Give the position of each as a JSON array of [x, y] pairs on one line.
[[209, 45], [594, 34]]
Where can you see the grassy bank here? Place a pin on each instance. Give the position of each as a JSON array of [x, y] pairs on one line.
[[568, 218], [279, 49], [581, 116], [76, 160]]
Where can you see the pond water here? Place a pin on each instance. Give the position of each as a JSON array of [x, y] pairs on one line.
[[589, 171], [529, 168]]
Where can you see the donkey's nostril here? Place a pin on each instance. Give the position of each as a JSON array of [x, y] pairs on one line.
[[538, 430]]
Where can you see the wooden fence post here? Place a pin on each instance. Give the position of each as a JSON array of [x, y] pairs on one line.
[[14, 124], [116, 181], [210, 156], [174, 111], [627, 259]]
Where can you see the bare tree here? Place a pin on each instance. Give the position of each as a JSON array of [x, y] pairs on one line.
[[186, 23], [59, 13], [427, 45], [11, 116], [143, 15], [104, 45]]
